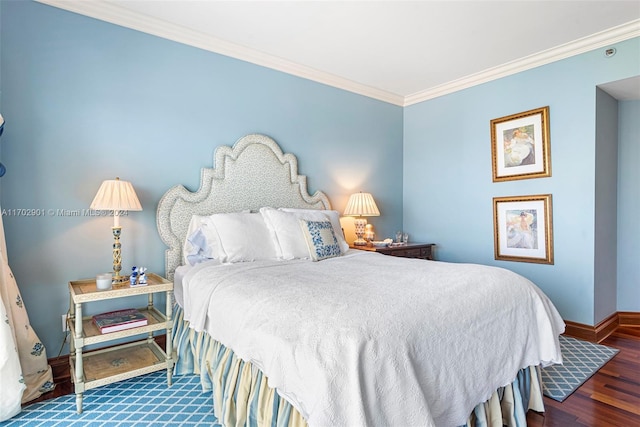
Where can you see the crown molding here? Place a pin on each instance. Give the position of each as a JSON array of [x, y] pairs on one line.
[[604, 38], [114, 14]]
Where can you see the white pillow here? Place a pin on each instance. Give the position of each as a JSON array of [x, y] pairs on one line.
[[334, 217], [243, 236], [201, 242], [320, 238], [286, 232]]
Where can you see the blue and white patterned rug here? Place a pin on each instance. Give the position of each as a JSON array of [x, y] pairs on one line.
[[146, 401], [581, 359], [143, 401]]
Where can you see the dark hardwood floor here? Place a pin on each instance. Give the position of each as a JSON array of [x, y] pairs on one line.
[[611, 398]]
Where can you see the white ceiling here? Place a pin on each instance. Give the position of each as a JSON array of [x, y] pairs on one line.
[[397, 51]]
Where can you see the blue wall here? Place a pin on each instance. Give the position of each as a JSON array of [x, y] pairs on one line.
[[448, 186], [86, 101], [606, 201], [628, 206]]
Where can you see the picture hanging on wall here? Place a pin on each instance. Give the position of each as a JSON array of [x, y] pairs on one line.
[[523, 228], [520, 146]]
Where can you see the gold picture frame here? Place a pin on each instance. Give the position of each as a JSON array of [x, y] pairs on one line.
[[523, 228], [520, 146]]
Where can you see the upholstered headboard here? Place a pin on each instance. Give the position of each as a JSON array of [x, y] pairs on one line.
[[252, 174]]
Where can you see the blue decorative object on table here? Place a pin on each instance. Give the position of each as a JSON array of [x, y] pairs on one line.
[[142, 276], [138, 276], [134, 276]]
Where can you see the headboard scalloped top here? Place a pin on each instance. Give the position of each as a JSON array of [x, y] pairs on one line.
[[252, 174]]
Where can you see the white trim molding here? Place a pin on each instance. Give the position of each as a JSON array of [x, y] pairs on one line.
[[109, 12], [604, 38], [114, 14]]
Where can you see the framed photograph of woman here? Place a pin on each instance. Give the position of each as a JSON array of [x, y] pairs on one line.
[[520, 146], [523, 228]]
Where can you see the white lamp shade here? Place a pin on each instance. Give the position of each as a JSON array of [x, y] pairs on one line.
[[116, 195], [361, 204]]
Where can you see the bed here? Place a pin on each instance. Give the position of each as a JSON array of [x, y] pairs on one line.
[[289, 327]]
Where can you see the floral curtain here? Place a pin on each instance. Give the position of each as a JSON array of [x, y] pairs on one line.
[[24, 371], [10, 371]]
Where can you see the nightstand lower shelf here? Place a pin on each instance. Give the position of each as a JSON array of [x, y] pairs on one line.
[[119, 363]]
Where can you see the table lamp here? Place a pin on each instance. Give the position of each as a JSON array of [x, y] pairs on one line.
[[118, 196], [361, 205]]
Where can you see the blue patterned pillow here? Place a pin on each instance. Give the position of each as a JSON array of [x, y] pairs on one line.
[[321, 240]]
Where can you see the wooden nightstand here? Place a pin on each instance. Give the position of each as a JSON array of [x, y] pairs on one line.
[[410, 250], [119, 362]]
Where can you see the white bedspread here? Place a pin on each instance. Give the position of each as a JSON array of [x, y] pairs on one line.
[[368, 339]]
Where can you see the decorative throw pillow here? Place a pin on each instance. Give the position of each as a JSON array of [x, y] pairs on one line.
[[202, 242], [199, 245], [320, 238], [333, 216]]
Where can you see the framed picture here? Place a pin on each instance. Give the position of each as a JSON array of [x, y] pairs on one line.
[[523, 228], [520, 146]]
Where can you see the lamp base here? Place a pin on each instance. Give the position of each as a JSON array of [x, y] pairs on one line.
[[359, 224], [119, 280]]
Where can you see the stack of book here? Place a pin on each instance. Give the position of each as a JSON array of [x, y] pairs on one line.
[[119, 320]]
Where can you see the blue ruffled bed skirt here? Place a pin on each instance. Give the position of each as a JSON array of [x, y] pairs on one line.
[[242, 397]]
